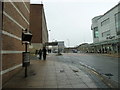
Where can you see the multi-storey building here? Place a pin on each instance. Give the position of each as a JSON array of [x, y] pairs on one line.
[[106, 31], [15, 18], [84, 47], [38, 27]]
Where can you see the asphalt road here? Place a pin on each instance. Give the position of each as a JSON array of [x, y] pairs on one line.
[[102, 64]]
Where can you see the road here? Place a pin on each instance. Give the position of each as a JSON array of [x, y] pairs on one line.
[[102, 64]]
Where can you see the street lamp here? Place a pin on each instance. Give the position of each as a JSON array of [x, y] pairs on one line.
[[49, 34], [26, 39], [26, 36]]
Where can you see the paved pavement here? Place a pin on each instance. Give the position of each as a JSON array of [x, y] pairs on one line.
[[51, 74]]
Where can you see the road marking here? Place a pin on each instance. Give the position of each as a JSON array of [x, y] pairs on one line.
[[95, 72]]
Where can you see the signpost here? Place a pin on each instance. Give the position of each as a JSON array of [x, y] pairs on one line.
[[26, 38]]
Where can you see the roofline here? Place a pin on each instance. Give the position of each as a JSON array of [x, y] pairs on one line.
[[36, 4], [110, 10], [97, 16]]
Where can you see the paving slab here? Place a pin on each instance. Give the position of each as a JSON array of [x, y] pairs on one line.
[[51, 74]]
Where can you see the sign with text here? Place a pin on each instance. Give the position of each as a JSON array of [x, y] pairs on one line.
[[26, 58]]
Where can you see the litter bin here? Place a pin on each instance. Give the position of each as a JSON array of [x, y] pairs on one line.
[[26, 59]]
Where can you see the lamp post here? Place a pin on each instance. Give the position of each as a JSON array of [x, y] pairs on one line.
[[49, 34], [26, 39]]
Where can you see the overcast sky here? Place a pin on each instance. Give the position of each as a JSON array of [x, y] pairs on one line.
[[70, 20]]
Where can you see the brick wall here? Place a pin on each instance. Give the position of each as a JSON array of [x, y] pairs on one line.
[[44, 28], [36, 22], [38, 26], [0, 42], [15, 18]]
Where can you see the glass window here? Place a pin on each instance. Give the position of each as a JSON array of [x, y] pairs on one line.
[[105, 34], [106, 21], [96, 32], [117, 23]]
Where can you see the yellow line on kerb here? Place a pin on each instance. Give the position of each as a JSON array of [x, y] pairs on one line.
[[94, 72], [100, 77]]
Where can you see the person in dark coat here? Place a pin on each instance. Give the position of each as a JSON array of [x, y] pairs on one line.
[[44, 53], [36, 52], [40, 54]]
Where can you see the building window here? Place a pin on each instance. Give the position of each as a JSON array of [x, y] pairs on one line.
[[96, 32], [105, 34], [106, 21], [117, 23]]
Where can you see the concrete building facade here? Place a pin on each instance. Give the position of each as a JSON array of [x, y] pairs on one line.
[[38, 27], [84, 48], [61, 46], [106, 31], [15, 18]]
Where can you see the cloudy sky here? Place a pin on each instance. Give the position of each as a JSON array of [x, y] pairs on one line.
[[70, 20]]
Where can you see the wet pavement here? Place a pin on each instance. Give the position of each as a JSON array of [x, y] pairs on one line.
[[104, 65], [51, 73]]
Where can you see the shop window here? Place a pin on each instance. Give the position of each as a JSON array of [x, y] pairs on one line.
[[105, 34], [117, 23], [96, 32]]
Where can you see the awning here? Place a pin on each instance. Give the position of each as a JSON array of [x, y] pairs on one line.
[[106, 42], [51, 43]]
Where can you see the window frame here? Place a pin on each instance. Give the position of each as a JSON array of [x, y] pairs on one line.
[[103, 22], [117, 26], [96, 30]]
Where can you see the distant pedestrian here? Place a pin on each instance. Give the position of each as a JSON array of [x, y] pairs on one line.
[[40, 54], [36, 52], [99, 50], [102, 50], [105, 50], [44, 53]]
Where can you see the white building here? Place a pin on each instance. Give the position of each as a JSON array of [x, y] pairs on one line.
[[106, 30], [61, 46]]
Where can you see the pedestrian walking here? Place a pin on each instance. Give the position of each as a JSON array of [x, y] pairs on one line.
[[40, 54], [36, 52], [44, 53]]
